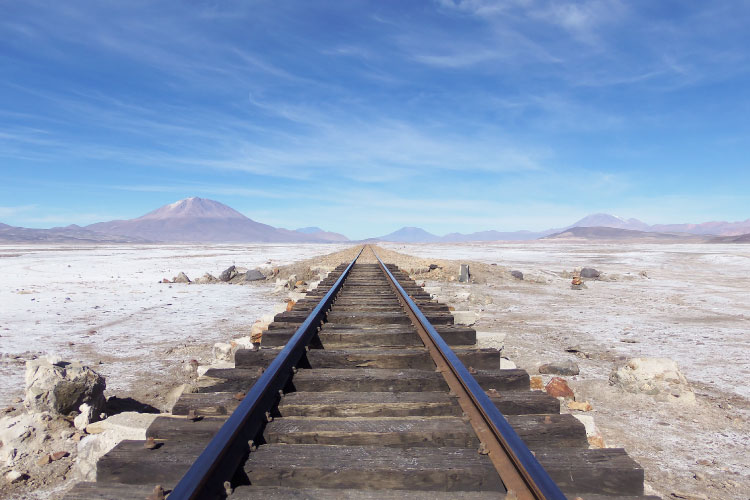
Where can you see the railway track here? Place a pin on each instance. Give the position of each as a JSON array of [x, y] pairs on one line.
[[365, 389]]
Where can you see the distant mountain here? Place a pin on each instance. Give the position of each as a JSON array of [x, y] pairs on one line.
[[309, 230], [198, 220], [719, 228], [320, 234], [494, 236], [68, 234], [606, 220], [410, 235], [614, 233], [742, 238], [202, 220], [601, 220]]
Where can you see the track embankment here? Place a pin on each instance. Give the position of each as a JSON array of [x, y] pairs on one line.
[[365, 389]]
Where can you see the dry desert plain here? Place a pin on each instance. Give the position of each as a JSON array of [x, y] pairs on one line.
[[104, 305]]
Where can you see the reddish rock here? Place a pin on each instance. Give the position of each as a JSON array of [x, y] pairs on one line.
[[58, 455], [557, 387], [536, 383], [580, 406], [596, 441]]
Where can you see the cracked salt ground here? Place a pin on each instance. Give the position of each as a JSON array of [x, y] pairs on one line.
[[689, 305], [105, 304], [686, 450]]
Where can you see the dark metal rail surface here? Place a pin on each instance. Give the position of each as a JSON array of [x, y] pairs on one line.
[[217, 463], [517, 466]]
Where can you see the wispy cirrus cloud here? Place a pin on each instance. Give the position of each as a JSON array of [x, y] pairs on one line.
[[283, 107], [16, 210]]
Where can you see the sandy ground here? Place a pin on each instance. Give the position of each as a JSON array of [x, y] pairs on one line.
[[685, 302], [690, 303], [104, 305]]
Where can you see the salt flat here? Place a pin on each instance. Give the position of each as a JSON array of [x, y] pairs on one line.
[[690, 303], [681, 301], [105, 303]]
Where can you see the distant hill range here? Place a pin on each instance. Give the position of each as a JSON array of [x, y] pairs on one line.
[[320, 234], [68, 234], [207, 221], [742, 238], [591, 227], [198, 220], [617, 234], [419, 235], [192, 220], [716, 228], [410, 235]]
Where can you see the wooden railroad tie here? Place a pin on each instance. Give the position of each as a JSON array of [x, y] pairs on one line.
[[366, 415]]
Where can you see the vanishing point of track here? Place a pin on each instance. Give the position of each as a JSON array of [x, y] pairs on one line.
[[365, 389]]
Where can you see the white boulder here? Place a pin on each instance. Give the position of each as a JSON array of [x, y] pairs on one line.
[[105, 435], [313, 284], [245, 342], [279, 307], [203, 369], [223, 351], [62, 387], [466, 318], [506, 364], [13, 476], [267, 319], [86, 416], [658, 377]]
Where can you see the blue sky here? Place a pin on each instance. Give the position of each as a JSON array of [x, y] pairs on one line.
[[362, 117]]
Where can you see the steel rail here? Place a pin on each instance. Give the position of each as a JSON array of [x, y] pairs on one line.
[[231, 444], [518, 468]]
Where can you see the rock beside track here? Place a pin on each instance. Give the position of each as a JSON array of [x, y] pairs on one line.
[[658, 377], [38, 448], [206, 279], [61, 387], [590, 273], [105, 435], [254, 275], [567, 368], [558, 388], [228, 273], [181, 278]]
